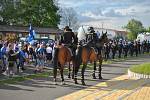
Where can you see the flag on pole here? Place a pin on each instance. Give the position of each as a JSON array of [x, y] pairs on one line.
[[31, 35]]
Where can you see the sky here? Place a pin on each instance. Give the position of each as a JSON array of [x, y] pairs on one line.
[[114, 14]]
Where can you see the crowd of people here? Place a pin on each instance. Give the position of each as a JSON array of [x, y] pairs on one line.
[[123, 48], [14, 56]]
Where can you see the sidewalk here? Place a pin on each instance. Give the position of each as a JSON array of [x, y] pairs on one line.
[[113, 86], [120, 88]]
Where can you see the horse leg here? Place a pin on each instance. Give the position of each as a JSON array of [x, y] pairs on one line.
[[94, 77], [62, 75], [69, 71], [55, 74], [75, 72], [56, 65], [83, 70], [100, 68]]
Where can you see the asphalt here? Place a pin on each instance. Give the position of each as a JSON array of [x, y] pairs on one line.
[[44, 89]]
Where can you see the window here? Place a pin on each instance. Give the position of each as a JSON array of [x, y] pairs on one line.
[[47, 35], [42, 35]]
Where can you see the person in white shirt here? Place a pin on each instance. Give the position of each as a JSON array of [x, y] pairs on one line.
[[49, 51]]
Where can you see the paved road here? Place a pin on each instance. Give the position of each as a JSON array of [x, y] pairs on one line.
[[43, 89]]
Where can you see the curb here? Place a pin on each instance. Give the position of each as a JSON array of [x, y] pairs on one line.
[[137, 75]]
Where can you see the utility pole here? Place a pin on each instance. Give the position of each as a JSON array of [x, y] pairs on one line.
[[102, 26]]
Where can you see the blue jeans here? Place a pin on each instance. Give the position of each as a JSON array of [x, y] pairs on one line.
[[40, 62], [21, 64], [4, 63]]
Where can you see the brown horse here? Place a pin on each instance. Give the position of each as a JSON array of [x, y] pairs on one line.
[[61, 57], [88, 53]]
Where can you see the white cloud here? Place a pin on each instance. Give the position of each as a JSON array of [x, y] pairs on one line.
[[114, 13], [112, 23], [133, 10], [91, 15]]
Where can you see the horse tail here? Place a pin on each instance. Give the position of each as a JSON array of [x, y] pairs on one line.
[[78, 56], [55, 58]]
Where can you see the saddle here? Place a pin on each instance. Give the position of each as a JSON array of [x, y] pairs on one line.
[[69, 47]]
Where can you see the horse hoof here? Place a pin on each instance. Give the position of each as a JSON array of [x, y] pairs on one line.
[[100, 78], [76, 82], [94, 77], [69, 77], [83, 83], [72, 77], [63, 83], [55, 83]]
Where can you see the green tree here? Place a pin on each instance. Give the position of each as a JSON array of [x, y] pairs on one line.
[[148, 29], [131, 36], [7, 12], [134, 27], [42, 13], [69, 18]]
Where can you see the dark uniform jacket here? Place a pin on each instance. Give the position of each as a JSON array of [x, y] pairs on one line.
[[67, 37]]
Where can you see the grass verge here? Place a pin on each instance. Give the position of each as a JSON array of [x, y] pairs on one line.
[[141, 69]]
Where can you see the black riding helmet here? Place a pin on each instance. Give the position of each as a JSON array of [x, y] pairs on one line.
[[91, 29], [67, 28]]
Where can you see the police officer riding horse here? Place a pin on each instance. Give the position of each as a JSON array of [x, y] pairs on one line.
[[69, 39], [64, 52], [92, 36], [89, 51]]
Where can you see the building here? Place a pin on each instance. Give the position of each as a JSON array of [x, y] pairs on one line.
[[20, 32], [112, 33]]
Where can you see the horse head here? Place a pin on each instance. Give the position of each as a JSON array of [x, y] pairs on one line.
[[103, 39]]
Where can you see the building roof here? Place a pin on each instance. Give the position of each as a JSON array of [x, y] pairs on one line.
[[116, 31], [121, 32], [22, 29]]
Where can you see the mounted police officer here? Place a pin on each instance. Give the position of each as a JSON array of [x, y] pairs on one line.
[[92, 36], [69, 39], [68, 36]]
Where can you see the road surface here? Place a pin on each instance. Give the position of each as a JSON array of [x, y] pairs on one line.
[[44, 89]]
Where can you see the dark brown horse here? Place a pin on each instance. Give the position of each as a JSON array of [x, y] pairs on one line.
[[88, 53], [61, 57]]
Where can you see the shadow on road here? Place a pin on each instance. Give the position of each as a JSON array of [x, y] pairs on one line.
[[11, 87]]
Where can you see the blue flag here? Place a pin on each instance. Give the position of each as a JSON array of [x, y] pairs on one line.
[[30, 38]]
